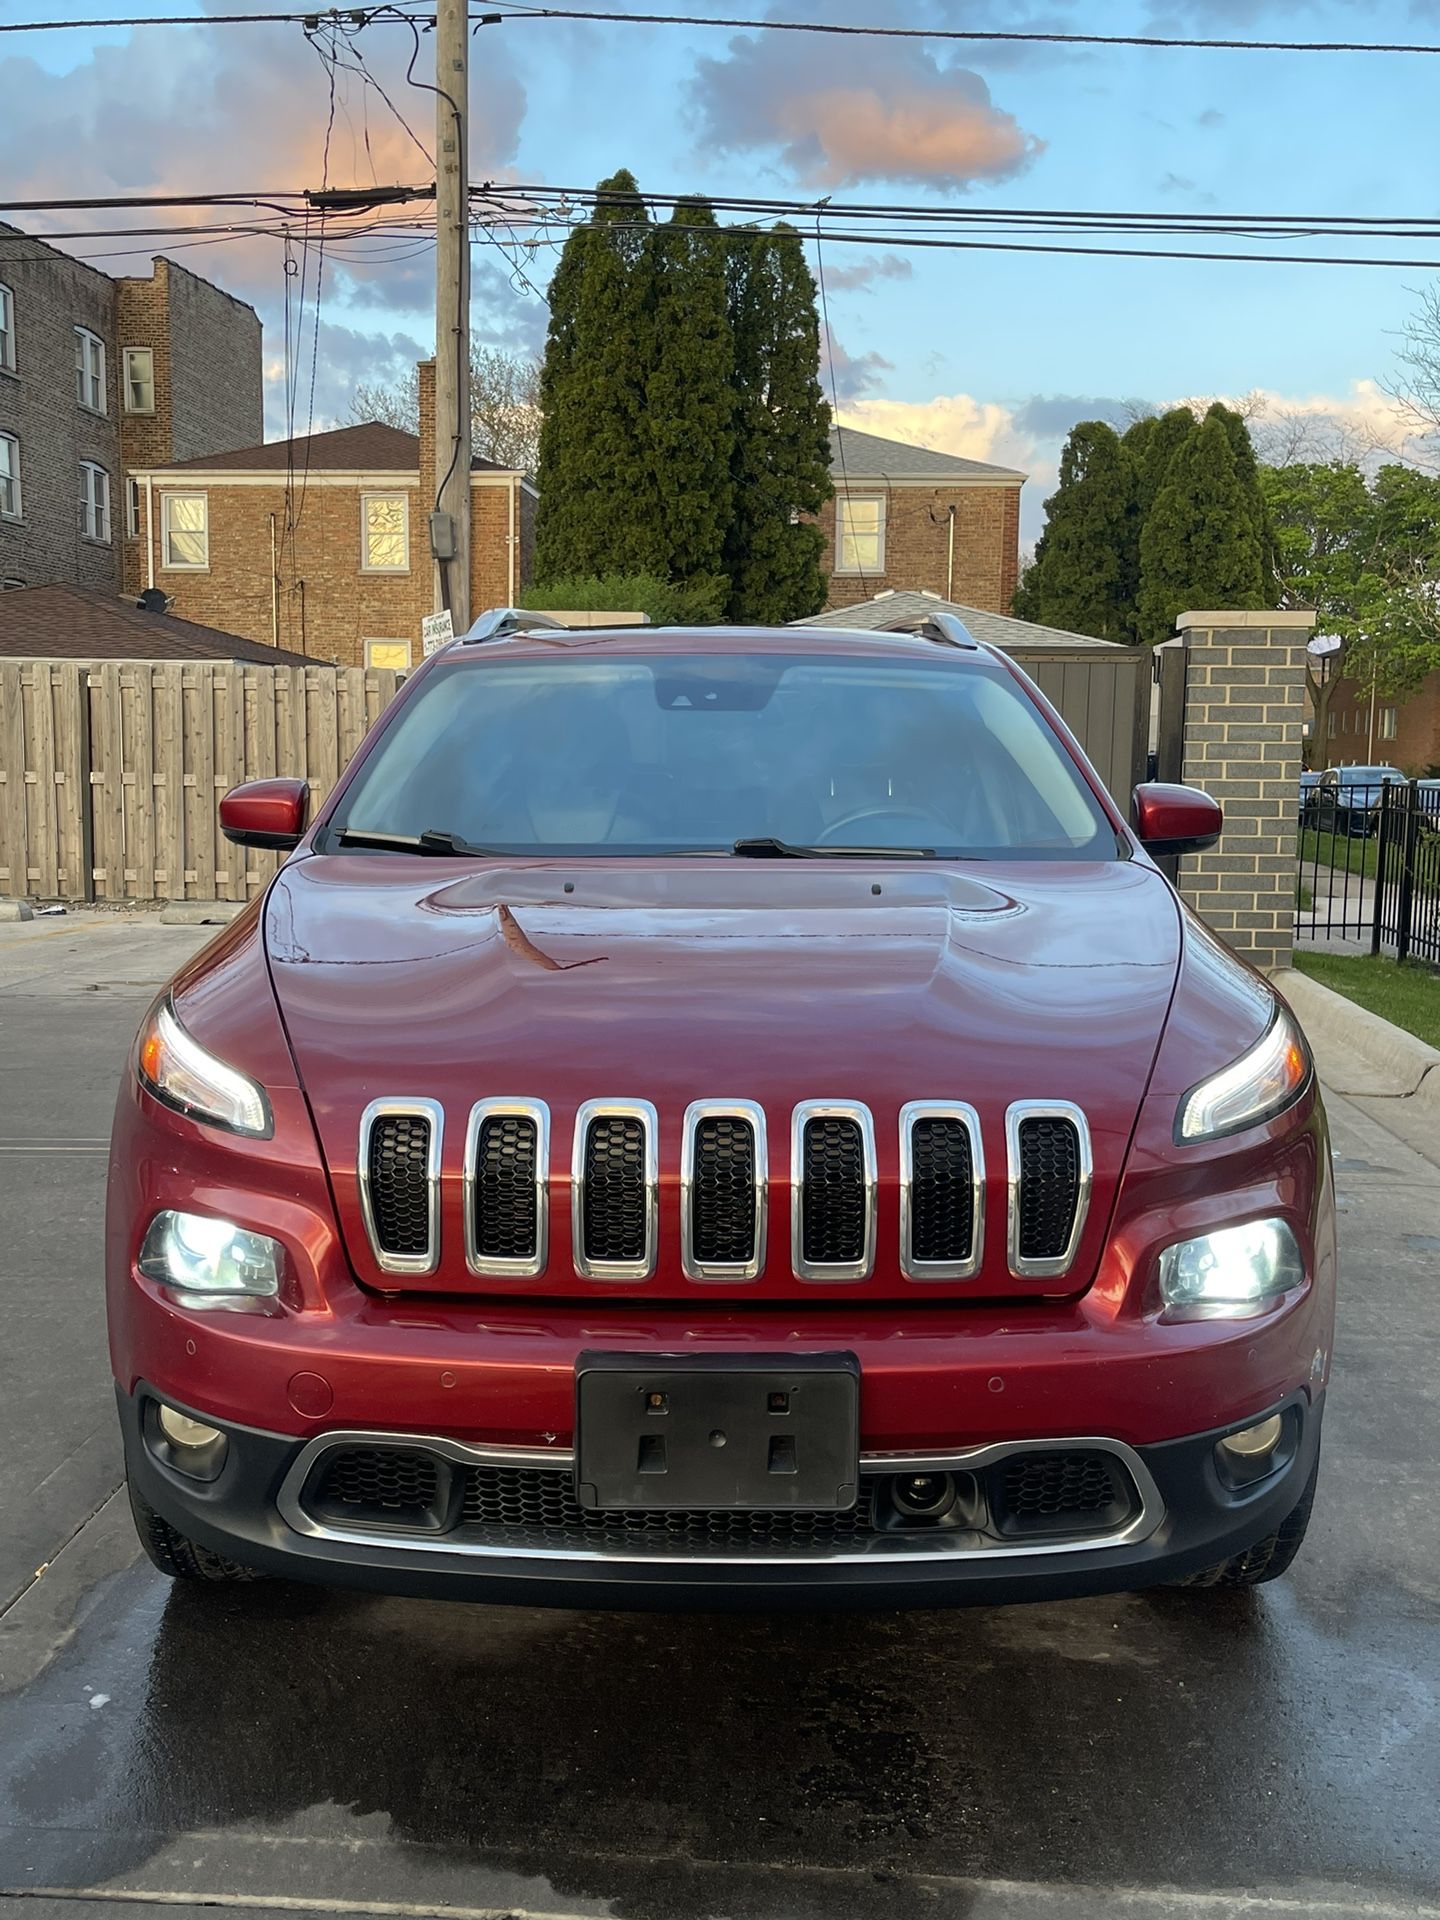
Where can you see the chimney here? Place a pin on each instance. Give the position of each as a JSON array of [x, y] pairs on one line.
[[425, 380]]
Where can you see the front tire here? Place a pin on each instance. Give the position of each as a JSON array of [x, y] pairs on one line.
[[175, 1555], [1268, 1558]]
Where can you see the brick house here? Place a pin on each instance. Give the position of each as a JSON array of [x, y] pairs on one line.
[[905, 518], [321, 544], [97, 375]]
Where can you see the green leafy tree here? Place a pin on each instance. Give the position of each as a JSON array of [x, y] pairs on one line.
[[667, 603], [690, 394], [1198, 546], [1083, 575], [600, 506], [780, 464]]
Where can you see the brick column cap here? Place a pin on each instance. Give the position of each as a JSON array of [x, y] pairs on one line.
[[1302, 619]]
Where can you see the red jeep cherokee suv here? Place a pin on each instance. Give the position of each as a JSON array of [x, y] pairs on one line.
[[721, 1114]]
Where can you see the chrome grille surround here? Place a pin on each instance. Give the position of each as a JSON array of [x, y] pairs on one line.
[[489, 1266], [967, 1117], [754, 1114], [1015, 1116], [641, 1110], [403, 1109], [856, 1111]]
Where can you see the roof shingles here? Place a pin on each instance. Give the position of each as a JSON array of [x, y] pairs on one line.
[[868, 456], [368, 447], [70, 623]]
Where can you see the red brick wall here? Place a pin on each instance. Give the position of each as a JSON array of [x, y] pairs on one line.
[[1416, 745], [987, 544]]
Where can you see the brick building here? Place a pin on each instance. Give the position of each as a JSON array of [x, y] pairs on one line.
[[906, 519], [98, 375], [321, 544], [1398, 733]]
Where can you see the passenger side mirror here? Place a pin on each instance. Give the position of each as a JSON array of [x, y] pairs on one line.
[[1170, 820], [266, 813]]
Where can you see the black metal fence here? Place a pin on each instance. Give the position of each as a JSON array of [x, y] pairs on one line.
[[1369, 869]]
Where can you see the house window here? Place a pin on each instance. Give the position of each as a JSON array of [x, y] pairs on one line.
[[139, 380], [385, 533], [9, 477], [1334, 727], [860, 534], [1389, 723], [7, 330], [388, 653], [94, 502], [184, 530], [89, 370], [132, 509]]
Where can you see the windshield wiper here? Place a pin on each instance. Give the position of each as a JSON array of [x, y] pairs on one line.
[[768, 848], [431, 841]]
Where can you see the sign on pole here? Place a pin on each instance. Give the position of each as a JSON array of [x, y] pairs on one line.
[[435, 630]]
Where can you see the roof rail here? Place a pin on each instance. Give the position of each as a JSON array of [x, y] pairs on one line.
[[499, 623], [943, 628]]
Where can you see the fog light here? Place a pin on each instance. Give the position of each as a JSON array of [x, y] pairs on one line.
[[181, 1431], [1253, 1444]]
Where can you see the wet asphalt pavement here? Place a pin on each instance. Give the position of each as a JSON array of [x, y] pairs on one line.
[[283, 1749]]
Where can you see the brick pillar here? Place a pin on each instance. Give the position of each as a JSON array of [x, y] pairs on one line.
[[1244, 720], [420, 534]]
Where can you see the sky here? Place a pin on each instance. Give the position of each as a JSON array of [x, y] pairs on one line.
[[987, 354]]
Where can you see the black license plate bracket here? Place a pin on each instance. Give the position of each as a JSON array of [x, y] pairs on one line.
[[675, 1433]]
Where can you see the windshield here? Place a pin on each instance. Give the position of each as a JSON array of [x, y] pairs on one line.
[[692, 753]]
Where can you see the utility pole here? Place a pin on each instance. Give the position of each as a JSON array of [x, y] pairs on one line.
[[450, 524]]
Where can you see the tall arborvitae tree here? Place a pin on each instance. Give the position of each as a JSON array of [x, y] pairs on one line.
[[690, 396], [600, 508], [1247, 469], [1083, 575], [1152, 445], [1199, 547], [780, 465]]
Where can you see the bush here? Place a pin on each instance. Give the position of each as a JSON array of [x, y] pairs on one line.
[[700, 603]]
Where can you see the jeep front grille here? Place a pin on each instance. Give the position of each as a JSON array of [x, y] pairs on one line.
[[1049, 1185], [399, 1165], [942, 1191], [507, 1155], [833, 1191], [613, 1190], [723, 1191]]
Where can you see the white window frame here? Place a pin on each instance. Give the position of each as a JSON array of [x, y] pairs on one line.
[[90, 371], [843, 504], [390, 497], [16, 510], [7, 328], [127, 355], [183, 566], [94, 503], [1389, 723], [133, 498], [381, 642]]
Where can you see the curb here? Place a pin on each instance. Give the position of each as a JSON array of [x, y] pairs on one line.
[[16, 910], [1356, 1051]]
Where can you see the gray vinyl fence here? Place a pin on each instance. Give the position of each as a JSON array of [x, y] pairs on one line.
[[1103, 695]]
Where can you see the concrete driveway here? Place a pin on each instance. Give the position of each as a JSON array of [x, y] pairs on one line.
[[281, 1750]]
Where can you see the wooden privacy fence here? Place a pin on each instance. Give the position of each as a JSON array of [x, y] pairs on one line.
[[111, 772]]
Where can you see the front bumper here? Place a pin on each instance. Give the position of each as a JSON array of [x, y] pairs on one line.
[[1185, 1518]]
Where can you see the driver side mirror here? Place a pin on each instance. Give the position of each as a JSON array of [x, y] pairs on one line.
[[1171, 820], [266, 813]]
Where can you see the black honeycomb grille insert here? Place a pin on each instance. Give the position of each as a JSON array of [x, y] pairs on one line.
[[396, 1156], [833, 1172], [1061, 1492], [1049, 1186], [613, 1205], [382, 1485], [722, 1193], [506, 1196], [942, 1197]]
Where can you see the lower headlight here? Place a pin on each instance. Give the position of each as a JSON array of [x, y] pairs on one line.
[[196, 1253], [1232, 1270]]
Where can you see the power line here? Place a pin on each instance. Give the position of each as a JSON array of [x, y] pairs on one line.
[[974, 36]]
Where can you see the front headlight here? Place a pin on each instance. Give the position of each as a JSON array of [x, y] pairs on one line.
[[198, 1254], [1257, 1086], [178, 1070], [1233, 1270]]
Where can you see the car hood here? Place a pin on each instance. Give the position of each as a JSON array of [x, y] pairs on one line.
[[676, 981]]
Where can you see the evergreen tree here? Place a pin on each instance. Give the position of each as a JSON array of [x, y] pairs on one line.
[[690, 398], [780, 464], [1153, 444], [600, 506], [1247, 468], [1083, 575], [1198, 546]]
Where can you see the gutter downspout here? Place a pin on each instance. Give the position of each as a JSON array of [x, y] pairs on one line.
[[274, 591], [950, 556], [514, 495], [149, 533]]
